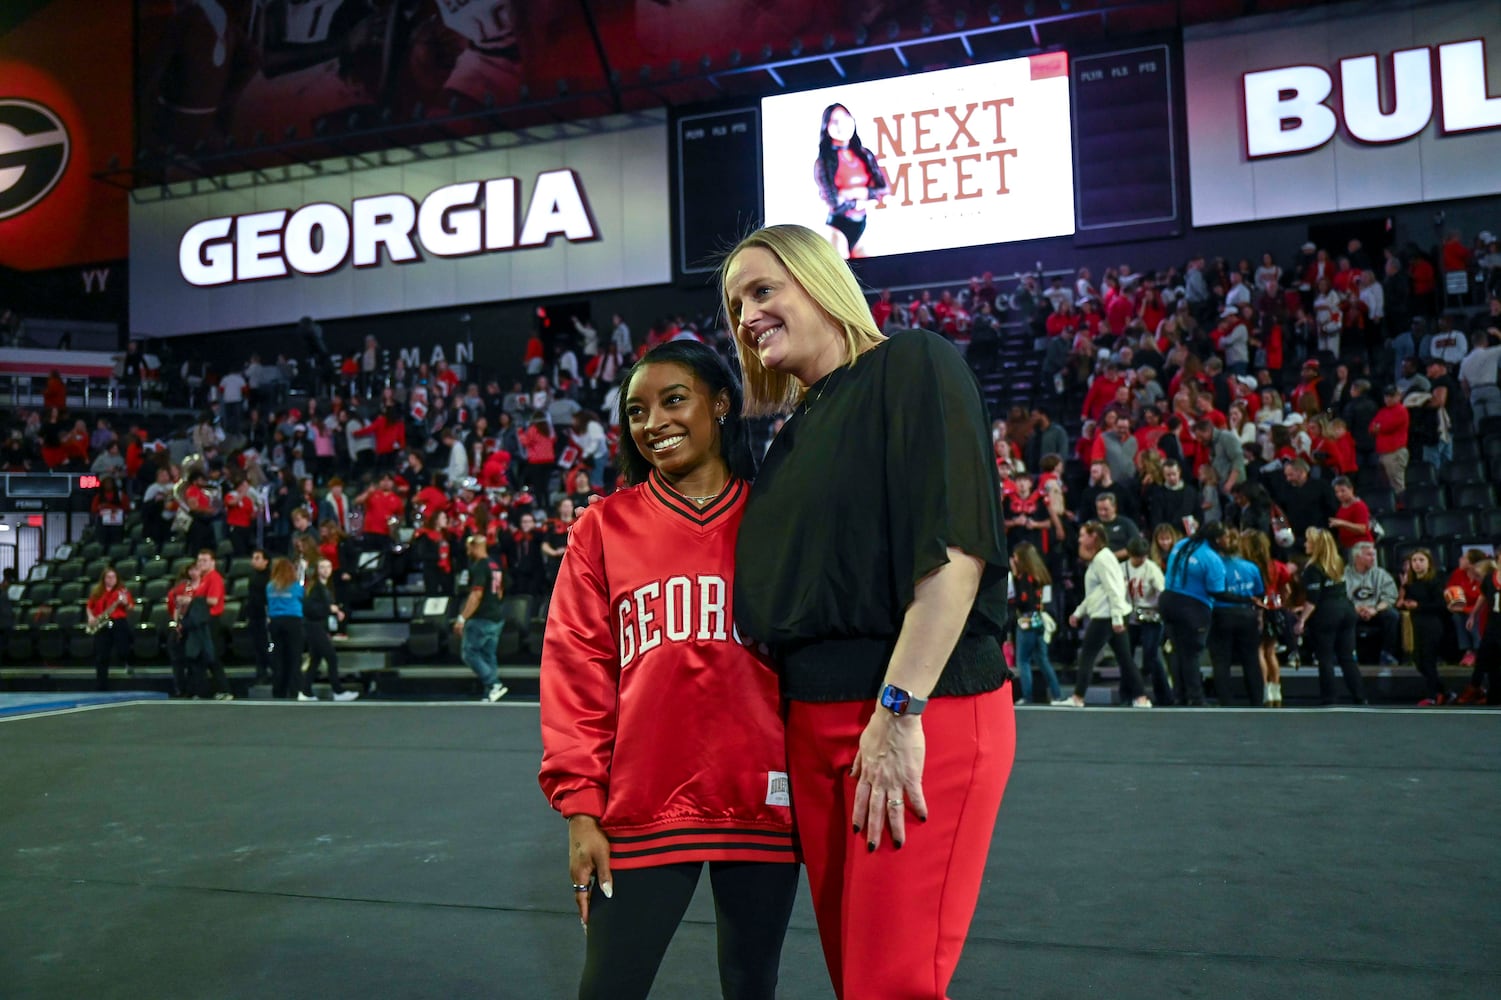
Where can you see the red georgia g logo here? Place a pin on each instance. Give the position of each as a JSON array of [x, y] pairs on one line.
[[33, 154]]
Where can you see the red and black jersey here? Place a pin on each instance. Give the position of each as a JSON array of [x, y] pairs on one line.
[[656, 717], [117, 602]]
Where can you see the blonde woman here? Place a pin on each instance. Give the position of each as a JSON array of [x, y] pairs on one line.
[[1328, 616], [886, 631]]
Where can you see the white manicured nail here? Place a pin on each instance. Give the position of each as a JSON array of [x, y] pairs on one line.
[[608, 889]]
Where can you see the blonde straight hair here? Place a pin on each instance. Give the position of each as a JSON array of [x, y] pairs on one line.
[[817, 267], [1325, 554]]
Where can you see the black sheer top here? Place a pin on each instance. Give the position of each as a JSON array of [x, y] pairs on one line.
[[885, 466]]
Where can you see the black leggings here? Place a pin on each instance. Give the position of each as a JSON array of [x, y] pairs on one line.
[[1187, 624], [286, 655], [1097, 634], [320, 647], [1427, 635], [628, 935], [1235, 634], [1332, 632]]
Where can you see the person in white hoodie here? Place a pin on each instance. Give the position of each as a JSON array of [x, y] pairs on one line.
[[1105, 608]]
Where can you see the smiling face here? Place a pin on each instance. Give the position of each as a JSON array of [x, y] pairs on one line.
[[778, 321], [841, 125], [673, 420]]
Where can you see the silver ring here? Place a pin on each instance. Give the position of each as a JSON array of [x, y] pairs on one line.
[[580, 888], [893, 803]]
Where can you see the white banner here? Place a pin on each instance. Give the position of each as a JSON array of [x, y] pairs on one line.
[[1340, 108], [341, 238], [954, 158]]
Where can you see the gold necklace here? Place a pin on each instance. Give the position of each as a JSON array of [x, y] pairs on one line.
[[807, 403]]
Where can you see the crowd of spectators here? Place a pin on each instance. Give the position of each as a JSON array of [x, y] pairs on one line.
[[1260, 396]]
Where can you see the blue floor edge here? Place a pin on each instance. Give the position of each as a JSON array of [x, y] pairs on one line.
[[25, 703]]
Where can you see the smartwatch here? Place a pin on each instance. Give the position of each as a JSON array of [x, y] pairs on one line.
[[899, 702]]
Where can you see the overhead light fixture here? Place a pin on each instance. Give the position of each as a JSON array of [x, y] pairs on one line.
[[995, 13]]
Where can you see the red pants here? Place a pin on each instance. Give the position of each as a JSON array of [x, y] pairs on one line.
[[893, 922]]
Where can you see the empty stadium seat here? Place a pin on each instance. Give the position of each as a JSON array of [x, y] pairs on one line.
[[1421, 474], [1381, 500], [117, 552], [1425, 498], [1449, 525], [1404, 525], [147, 637], [1488, 525], [154, 569], [95, 569], [1463, 472], [1465, 449], [154, 590], [73, 592], [1473, 496]]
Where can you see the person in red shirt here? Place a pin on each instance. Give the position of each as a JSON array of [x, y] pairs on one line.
[[55, 395], [1390, 431], [240, 509], [197, 502], [1064, 322], [430, 545], [381, 506], [109, 507], [881, 309], [210, 583], [1455, 255], [177, 600], [1462, 597], [1338, 447], [389, 429], [109, 607], [495, 471], [1102, 391], [430, 499], [1352, 522], [76, 443], [641, 630], [1309, 383]]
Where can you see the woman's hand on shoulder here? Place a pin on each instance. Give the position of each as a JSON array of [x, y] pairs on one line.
[[580, 509], [588, 861]]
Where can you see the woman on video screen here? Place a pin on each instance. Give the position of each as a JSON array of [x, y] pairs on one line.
[[849, 179]]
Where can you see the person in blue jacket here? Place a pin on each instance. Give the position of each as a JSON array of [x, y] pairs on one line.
[[1235, 624], [1195, 573]]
